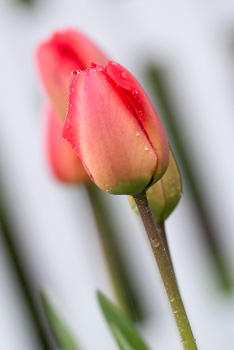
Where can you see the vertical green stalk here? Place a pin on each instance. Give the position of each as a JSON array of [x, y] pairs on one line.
[[23, 279], [156, 235], [125, 293]]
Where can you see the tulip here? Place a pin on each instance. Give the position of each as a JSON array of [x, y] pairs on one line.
[[163, 196], [65, 165], [115, 130], [57, 57]]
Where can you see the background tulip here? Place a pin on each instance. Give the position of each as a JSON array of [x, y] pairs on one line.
[[57, 57], [163, 196], [64, 163], [115, 130]]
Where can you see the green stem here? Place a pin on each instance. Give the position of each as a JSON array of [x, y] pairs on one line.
[[23, 279], [124, 290], [156, 235]]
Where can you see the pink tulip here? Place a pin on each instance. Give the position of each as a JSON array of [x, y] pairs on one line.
[[115, 130], [57, 57], [64, 162]]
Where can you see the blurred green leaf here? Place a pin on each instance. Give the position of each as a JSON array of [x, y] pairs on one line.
[[121, 340], [128, 338], [58, 326], [26, 2]]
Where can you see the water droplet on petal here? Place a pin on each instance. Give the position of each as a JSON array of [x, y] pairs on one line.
[[137, 133], [113, 63], [140, 112], [74, 72], [134, 92], [99, 68], [69, 128], [146, 148], [73, 89], [124, 75]]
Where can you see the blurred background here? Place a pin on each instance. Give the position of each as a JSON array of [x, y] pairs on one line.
[[183, 54]]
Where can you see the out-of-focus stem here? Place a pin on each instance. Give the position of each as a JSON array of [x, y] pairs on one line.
[[171, 122], [156, 235], [23, 279], [125, 293]]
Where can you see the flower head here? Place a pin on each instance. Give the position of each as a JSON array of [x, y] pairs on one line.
[[115, 129]]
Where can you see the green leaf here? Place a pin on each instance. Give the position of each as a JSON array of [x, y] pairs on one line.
[[128, 338], [62, 334], [121, 340]]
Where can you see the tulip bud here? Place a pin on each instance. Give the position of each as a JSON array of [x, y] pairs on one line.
[[64, 162], [58, 57], [163, 196], [115, 130]]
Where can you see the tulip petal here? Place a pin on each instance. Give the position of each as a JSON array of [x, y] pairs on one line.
[[145, 111], [57, 57], [63, 160], [108, 136]]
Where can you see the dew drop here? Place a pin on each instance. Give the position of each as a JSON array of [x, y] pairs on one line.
[[73, 89], [69, 128], [113, 63], [124, 75], [71, 106], [74, 72], [93, 65], [140, 112], [134, 92], [146, 148], [99, 68], [172, 299], [155, 242], [175, 312], [137, 133]]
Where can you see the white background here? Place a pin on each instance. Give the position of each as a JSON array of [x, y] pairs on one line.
[[54, 221]]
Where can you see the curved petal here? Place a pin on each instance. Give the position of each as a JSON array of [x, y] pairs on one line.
[[57, 57], [145, 111], [63, 160], [106, 133]]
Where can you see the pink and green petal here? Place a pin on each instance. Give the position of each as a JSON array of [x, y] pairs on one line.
[[103, 127], [145, 111]]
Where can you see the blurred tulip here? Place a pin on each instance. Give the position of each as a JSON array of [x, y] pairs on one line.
[[57, 57], [115, 130], [64, 162], [163, 196]]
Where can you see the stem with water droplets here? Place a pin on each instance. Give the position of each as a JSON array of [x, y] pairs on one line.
[[156, 235]]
